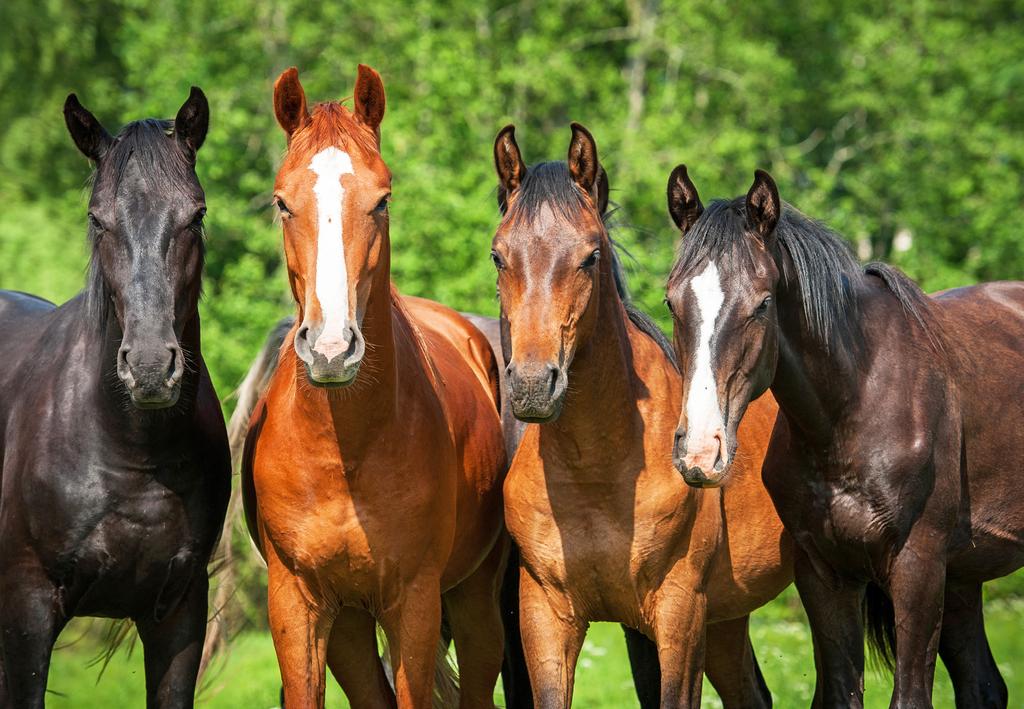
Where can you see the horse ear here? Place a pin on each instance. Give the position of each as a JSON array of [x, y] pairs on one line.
[[192, 121], [583, 164], [369, 97], [683, 201], [763, 205], [87, 132], [508, 162], [290, 102]]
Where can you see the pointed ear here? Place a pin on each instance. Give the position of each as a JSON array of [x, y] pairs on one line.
[[763, 205], [87, 132], [508, 162], [290, 102], [369, 97], [192, 122], [583, 164], [683, 201]]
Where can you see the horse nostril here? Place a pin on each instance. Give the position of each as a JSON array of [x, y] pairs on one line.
[[175, 369], [552, 379]]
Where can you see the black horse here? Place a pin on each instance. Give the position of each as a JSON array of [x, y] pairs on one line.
[[114, 457], [897, 458]]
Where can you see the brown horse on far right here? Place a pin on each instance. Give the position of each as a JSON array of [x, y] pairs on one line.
[[607, 529], [897, 460]]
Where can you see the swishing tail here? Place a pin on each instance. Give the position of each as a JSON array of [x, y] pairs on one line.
[[256, 380], [880, 622], [446, 676]]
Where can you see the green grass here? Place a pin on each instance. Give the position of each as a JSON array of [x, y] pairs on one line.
[[248, 677]]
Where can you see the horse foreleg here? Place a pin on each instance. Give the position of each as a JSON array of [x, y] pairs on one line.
[[515, 677], [300, 628], [917, 583], [354, 662], [475, 617], [646, 669], [552, 639], [965, 650], [173, 647], [732, 666], [834, 614], [31, 618], [680, 617], [413, 629]]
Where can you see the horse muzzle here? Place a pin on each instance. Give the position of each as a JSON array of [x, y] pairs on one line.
[[331, 361], [536, 391], [703, 461], [152, 374]]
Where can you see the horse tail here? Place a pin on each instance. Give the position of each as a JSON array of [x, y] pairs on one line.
[[248, 395], [880, 622], [446, 676]]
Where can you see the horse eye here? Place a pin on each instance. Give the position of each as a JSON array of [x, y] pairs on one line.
[[94, 222], [763, 307], [197, 220], [670, 308], [498, 263], [282, 207], [591, 259], [382, 205]]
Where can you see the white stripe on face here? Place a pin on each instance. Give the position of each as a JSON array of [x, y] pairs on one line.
[[331, 272], [703, 415]]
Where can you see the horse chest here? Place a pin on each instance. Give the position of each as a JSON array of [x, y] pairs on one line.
[[606, 545], [112, 547]]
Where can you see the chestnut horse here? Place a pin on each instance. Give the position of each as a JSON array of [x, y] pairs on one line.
[[896, 463], [372, 471], [607, 529], [114, 458]]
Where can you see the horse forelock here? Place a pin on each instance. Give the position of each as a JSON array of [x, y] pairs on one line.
[[331, 124]]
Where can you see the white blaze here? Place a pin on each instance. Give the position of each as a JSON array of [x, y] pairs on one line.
[[331, 273], [703, 414]]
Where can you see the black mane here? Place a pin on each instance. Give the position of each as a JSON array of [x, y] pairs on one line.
[[823, 267], [550, 183]]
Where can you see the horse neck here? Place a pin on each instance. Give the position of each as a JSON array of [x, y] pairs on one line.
[[814, 384], [602, 387]]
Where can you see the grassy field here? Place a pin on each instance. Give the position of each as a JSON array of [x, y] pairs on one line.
[[247, 676]]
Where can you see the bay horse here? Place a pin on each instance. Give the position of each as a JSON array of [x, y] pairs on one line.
[[897, 459], [115, 465], [606, 527], [373, 467]]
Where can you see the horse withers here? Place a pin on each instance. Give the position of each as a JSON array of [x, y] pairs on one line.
[[373, 467], [896, 461], [115, 465], [606, 527]]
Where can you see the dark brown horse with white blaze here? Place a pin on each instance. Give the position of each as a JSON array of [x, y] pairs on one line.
[[606, 527], [897, 460], [114, 458], [373, 467]]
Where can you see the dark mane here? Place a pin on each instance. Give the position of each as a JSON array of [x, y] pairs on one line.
[[550, 183], [162, 164], [823, 267]]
